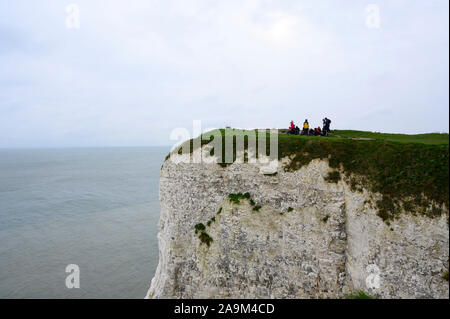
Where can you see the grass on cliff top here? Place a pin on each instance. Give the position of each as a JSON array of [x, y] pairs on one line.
[[429, 138], [410, 171]]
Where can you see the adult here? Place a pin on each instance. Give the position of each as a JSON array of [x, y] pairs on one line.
[[291, 128], [326, 126], [305, 128], [317, 131]]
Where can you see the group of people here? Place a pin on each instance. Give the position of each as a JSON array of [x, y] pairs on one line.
[[293, 129]]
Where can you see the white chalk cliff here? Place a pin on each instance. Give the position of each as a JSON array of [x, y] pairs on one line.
[[289, 248]]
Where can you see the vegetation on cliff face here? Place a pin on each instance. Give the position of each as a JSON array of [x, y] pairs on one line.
[[235, 198], [204, 237], [411, 172], [359, 295], [410, 176], [333, 177]]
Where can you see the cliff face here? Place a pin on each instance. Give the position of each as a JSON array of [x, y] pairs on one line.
[[309, 239]]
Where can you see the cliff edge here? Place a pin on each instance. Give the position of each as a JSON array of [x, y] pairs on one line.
[[235, 231]]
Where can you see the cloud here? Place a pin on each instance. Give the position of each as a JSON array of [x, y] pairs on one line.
[[135, 70]]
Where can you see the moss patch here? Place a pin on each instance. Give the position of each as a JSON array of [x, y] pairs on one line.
[[199, 227], [359, 295], [333, 177], [205, 239], [257, 208], [235, 198]]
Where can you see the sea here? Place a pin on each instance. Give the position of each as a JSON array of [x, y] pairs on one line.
[[79, 222]]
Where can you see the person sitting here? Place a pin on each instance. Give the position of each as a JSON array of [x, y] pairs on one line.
[[317, 131], [311, 132], [305, 128], [291, 128]]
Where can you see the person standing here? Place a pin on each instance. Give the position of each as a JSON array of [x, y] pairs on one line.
[[326, 126], [305, 128]]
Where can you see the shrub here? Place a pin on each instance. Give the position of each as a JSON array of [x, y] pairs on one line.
[[205, 239], [257, 208], [325, 219], [235, 198], [333, 177], [290, 209], [199, 227]]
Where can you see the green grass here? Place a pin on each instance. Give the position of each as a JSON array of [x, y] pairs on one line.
[[410, 176], [359, 295], [410, 171], [429, 138]]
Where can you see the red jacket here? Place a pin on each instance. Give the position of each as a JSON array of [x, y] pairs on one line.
[[292, 126]]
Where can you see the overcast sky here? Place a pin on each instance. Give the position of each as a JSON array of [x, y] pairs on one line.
[[135, 70]]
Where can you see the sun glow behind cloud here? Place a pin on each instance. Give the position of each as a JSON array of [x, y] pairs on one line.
[[284, 30]]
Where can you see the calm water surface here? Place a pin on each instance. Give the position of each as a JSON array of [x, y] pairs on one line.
[[97, 208]]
